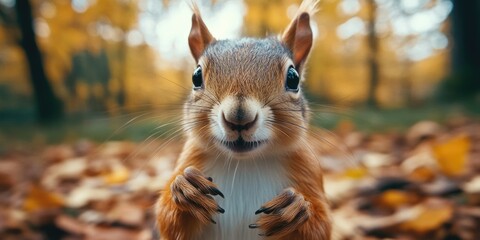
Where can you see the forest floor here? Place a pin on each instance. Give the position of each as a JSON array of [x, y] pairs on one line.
[[422, 183]]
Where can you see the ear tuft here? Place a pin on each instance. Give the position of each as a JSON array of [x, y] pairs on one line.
[[199, 37], [308, 6], [298, 36]]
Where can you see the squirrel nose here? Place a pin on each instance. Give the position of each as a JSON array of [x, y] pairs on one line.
[[239, 123]]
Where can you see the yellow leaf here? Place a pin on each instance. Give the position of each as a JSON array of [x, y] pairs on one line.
[[396, 198], [452, 155], [355, 172], [432, 215], [38, 199], [422, 174], [119, 174]]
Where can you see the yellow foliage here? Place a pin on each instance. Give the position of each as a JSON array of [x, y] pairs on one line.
[[452, 155], [83, 91], [337, 69]]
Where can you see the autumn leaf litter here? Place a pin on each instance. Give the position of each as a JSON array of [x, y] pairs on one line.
[[424, 184]]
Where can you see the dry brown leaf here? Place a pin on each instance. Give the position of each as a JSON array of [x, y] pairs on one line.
[[127, 213], [81, 196], [441, 186], [117, 149], [348, 222], [109, 233], [338, 187], [10, 173], [377, 160], [73, 168], [58, 153], [422, 130], [421, 156], [472, 188], [93, 232], [70, 224], [452, 155]]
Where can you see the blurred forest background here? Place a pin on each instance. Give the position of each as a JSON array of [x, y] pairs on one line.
[[78, 59]]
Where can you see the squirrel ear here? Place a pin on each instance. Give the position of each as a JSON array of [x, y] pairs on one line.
[[298, 37], [199, 37]]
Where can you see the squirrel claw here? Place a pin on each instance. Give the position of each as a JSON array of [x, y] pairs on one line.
[[260, 210], [215, 192], [283, 214], [278, 203], [192, 192]]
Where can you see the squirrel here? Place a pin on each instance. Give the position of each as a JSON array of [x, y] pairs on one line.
[[246, 170]]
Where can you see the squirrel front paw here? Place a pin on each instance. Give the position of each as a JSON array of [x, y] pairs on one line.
[[283, 214], [192, 192]]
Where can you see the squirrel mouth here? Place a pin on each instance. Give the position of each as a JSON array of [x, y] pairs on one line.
[[242, 146]]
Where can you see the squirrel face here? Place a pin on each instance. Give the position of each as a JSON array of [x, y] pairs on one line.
[[246, 98]]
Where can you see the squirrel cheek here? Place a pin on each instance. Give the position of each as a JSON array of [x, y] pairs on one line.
[[294, 95], [263, 132]]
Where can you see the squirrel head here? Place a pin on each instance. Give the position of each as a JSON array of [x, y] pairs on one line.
[[247, 98]]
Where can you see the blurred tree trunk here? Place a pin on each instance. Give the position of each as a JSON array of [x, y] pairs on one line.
[[465, 77], [122, 75], [123, 54], [372, 57], [48, 106]]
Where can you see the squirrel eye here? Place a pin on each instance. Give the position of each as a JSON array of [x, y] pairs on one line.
[[293, 80], [197, 78]]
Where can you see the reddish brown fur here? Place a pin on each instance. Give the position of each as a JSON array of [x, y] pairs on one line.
[[260, 76]]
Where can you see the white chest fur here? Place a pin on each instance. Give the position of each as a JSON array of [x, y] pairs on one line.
[[246, 184]]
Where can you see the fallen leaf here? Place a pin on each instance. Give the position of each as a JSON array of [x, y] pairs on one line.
[[397, 198], [117, 149], [118, 174], [355, 173], [81, 196], [433, 214], [348, 222], [472, 188], [452, 155], [441, 186], [422, 174], [127, 213], [58, 153], [70, 224], [39, 199], [421, 131], [377, 160], [422, 157], [92, 232], [107, 233], [73, 168], [338, 188], [10, 173]]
